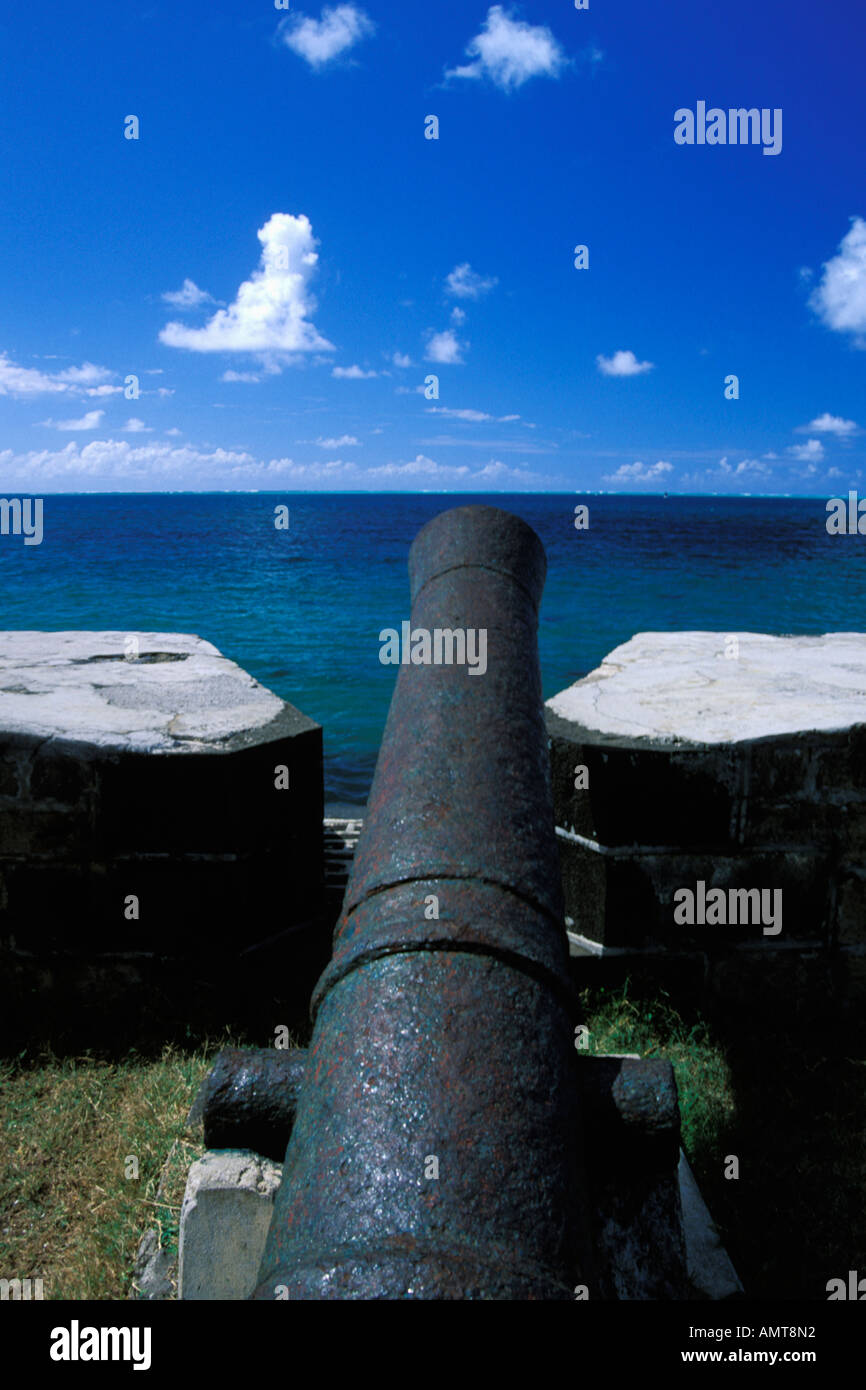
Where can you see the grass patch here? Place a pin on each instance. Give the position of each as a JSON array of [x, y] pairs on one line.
[[69, 1129], [653, 1028], [788, 1098]]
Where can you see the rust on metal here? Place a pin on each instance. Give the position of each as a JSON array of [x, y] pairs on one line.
[[437, 1146]]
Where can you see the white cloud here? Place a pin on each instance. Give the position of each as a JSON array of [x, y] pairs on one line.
[[401, 359], [113, 464], [839, 298], [174, 431], [510, 52], [353, 373], [89, 421], [319, 41], [829, 424], [465, 283], [622, 364], [342, 443], [86, 374], [444, 348], [639, 472], [135, 426], [103, 390], [745, 466], [240, 376], [811, 451], [29, 381], [269, 314], [458, 315], [474, 415], [188, 297]]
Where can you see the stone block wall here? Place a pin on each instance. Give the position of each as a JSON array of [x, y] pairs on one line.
[[674, 766], [141, 818]]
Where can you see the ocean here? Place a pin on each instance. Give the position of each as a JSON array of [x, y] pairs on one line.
[[301, 609]]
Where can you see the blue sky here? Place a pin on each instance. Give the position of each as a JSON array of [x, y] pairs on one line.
[[282, 258]]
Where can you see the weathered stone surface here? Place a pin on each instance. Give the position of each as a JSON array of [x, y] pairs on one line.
[[710, 1271], [154, 1272], [224, 1220], [851, 916], [743, 773], [178, 691], [628, 899], [679, 687]]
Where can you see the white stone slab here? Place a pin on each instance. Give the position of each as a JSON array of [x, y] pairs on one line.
[[180, 693], [224, 1220], [681, 687]]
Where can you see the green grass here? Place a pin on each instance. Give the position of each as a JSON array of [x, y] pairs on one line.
[[786, 1095], [788, 1098], [68, 1129], [653, 1028]]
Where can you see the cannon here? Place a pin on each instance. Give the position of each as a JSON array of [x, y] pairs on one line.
[[437, 1144]]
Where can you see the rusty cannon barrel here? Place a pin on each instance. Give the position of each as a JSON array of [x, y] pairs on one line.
[[436, 1149]]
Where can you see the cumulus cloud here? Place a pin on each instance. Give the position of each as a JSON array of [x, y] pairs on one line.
[[21, 381], [353, 373], [622, 364], [810, 452], [320, 41], [744, 466], [829, 424], [475, 416], [113, 464], [135, 426], [444, 348], [839, 298], [401, 359], [89, 421], [639, 472], [240, 376], [270, 312], [188, 297], [465, 283], [342, 443], [510, 52]]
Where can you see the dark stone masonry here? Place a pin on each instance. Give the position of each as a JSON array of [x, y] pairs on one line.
[[159, 809]]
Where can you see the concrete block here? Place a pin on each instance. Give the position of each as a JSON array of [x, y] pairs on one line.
[[745, 772], [226, 1212], [143, 764]]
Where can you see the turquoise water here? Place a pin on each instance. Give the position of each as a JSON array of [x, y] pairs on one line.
[[302, 609]]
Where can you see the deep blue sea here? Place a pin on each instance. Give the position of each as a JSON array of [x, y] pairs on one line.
[[302, 609]]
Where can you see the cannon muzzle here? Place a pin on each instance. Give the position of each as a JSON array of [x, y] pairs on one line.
[[436, 1149]]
